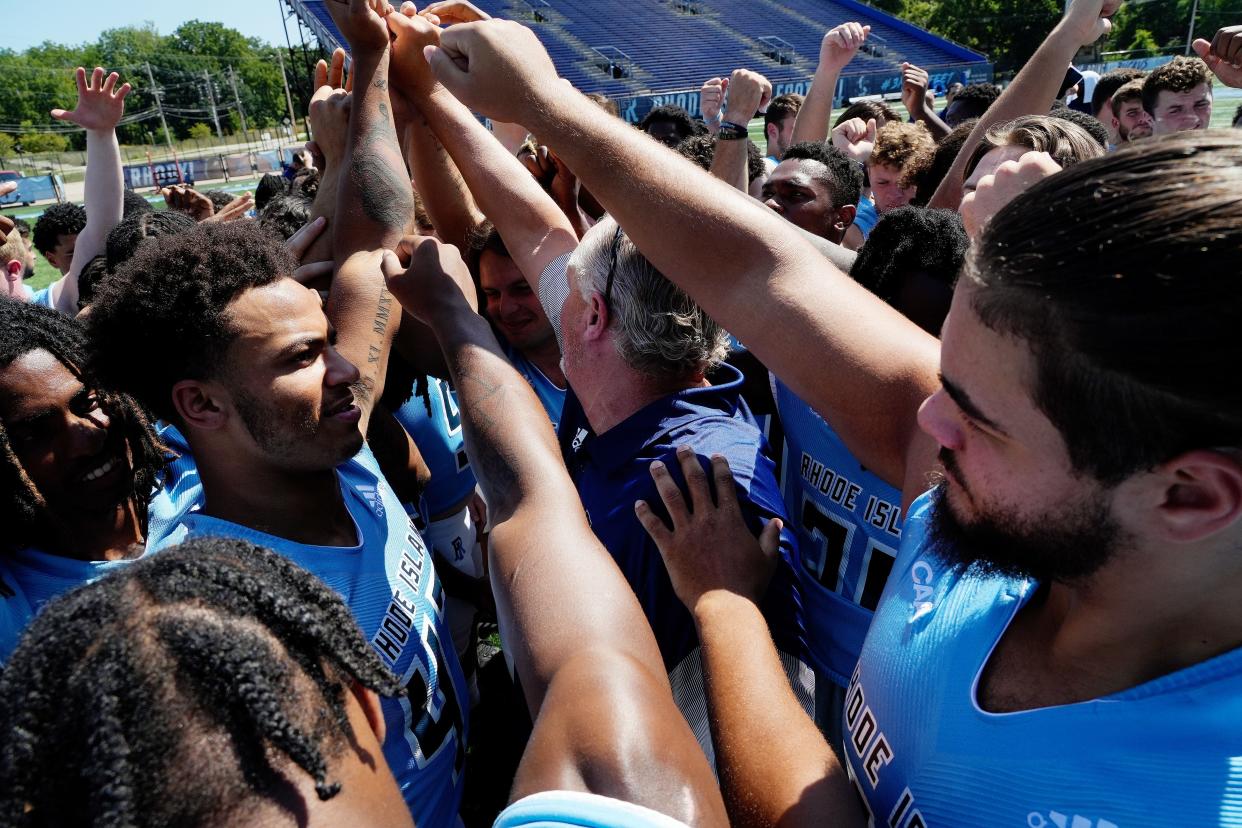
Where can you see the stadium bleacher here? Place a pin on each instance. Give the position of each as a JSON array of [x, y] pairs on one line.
[[656, 46]]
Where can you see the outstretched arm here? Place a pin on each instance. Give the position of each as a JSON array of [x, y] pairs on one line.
[[775, 767], [861, 364], [534, 228], [1035, 88], [100, 107], [837, 49], [587, 659], [374, 201], [748, 93]]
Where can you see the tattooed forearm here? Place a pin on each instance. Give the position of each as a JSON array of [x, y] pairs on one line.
[[383, 312]]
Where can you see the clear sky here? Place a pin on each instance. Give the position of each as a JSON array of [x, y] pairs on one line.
[[25, 23]]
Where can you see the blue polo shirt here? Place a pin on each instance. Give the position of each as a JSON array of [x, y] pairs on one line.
[[612, 470]]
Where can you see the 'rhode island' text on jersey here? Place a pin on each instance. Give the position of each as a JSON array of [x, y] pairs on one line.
[[848, 523], [923, 753], [390, 586]]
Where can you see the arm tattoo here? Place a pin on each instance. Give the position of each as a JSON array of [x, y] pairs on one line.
[[377, 171]]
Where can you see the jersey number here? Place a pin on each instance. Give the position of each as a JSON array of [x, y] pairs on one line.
[[825, 561], [441, 717]]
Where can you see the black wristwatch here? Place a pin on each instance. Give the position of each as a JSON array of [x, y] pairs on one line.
[[730, 131]]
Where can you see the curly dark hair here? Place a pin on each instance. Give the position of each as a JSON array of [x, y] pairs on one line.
[[306, 183], [135, 204], [844, 175], [908, 240], [126, 238], [23, 227], [1181, 74], [701, 149], [285, 214], [1090, 124], [676, 115], [269, 185], [974, 100], [219, 198], [176, 690], [882, 112], [96, 271], [942, 160], [162, 316], [64, 219], [25, 328]]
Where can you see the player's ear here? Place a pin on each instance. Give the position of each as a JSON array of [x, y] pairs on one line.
[[1199, 494], [199, 404], [369, 701]]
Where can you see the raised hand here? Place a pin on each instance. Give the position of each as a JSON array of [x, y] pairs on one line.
[[234, 210], [450, 12], [187, 200], [841, 43], [709, 547], [749, 92], [409, 72], [329, 120], [1223, 55], [428, 277], [6, 223], [913, 88], [1090, 19], [856, 138], [711, 98], [333, 75], [496, 67], [362, 23], [100, 103], [995, 191]]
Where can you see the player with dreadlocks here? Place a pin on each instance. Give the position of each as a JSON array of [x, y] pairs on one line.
[[79, 463], [215, 683]]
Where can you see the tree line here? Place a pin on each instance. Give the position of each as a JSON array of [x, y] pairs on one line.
[[197, 69]]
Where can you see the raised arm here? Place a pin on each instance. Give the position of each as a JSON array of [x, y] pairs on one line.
[[775, 767], [914, 83], [1035, 88], [748, 93], [836, 50], [374, 202], [534, 228], [860, 363], [587, 660], [100, 107]]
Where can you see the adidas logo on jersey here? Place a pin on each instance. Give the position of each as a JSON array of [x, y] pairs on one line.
[[580, 438], [373, 498], [1056, 819]]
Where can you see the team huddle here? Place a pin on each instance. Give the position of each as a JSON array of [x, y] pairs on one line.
[[883, 476]]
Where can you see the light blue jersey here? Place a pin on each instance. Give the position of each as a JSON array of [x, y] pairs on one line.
[[392, 590], [438, 435], [848, 523], [551, 397], [575, 809], [41, 577], [923, 753], [42, 297], [15, 612]]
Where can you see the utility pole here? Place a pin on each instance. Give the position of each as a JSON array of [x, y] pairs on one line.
[[1190, 36], [237, 98], [155, 90], [211, 96], [293, 119]]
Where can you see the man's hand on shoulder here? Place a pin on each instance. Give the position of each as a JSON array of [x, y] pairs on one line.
[[709, 548]]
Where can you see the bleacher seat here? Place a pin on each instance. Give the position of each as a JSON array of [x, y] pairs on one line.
[[673, 49]]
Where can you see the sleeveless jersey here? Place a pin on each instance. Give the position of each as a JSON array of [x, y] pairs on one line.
[[923, 753], [40, 577], [550, 397], [848, 523], [438, 436], [391, 588]]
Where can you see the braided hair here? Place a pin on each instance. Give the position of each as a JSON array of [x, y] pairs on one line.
[[25, 328], [176, 690]]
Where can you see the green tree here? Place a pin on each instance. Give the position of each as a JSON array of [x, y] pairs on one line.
[[200, 132], [6, 148]]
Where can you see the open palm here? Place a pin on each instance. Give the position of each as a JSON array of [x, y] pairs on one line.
[[100, 103]]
